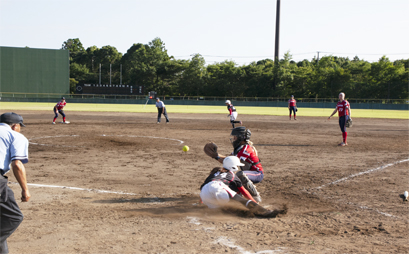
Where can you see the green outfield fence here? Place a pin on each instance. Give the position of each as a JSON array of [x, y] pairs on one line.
[[29, 70], [392, 104]]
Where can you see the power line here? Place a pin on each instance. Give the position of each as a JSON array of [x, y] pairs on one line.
[[296, 54]]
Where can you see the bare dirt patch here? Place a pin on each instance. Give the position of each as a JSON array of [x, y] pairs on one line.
[[133, 190]]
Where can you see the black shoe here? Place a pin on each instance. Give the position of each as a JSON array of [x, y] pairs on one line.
[[270, 214]]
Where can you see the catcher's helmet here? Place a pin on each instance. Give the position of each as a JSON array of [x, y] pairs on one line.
[[232, 163], [242, 135]]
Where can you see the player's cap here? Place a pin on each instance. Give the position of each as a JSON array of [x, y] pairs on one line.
[[228, 101], [11, 118], [292, 95], [63, 98], [157, 98], [232, 163]]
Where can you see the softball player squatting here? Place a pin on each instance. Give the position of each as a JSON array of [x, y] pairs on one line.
[[252, 172], [58, 108]]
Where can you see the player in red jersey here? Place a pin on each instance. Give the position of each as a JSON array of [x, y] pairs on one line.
[[252, 172], [344, 113], [58, 108], [232, 113], [292, 106]]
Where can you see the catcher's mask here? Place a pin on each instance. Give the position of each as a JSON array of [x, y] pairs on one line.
[[232, 163], [241, 134]]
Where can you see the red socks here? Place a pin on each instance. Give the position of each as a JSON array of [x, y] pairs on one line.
[[344, 137]]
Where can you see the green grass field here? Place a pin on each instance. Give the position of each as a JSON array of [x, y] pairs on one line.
[[277, 111]]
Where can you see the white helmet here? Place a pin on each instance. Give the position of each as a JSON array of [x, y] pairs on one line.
[[231, 163], [227, 101]]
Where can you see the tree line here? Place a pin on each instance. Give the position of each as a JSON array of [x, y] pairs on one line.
[[150, 65]]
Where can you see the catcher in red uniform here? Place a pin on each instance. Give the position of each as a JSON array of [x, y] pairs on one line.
[[252, 172]]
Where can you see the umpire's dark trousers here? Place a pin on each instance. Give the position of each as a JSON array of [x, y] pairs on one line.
[[165, 114], [10, 214]]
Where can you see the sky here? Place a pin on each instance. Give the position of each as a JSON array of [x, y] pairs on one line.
[[242, 31]]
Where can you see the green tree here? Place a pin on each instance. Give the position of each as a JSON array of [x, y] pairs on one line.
[[285, 76], [193, 81], [386, 77], [75, 47], [146, 64], [225, 79]]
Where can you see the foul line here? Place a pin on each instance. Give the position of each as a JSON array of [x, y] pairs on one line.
[[361, 173], [231, 244], [103, 135], [83, 189]]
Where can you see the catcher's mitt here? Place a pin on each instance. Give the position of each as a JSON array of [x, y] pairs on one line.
[[211, 150], [348, 123]]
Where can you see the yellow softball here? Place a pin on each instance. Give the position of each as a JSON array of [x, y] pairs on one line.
[[185, 148]]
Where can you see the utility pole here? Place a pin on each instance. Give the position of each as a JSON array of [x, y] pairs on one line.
[[318, 58], [277, 40], [277, 44]]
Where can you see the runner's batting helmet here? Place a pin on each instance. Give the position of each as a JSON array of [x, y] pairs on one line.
[[232, 163]]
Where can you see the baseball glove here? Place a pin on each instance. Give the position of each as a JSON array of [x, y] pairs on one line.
[[349, 123], [211, 150]]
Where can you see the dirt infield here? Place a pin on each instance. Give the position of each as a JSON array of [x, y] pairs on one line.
[[120, 183]]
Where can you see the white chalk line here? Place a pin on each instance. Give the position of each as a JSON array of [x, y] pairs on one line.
[[103, 135], [223, 240], [82, 189], [383, 213], [362, 173], [59, 136]]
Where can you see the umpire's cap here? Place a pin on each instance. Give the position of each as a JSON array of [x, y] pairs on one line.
[[11, 118]]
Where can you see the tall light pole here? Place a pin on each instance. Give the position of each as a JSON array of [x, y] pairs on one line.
[[277, 42]]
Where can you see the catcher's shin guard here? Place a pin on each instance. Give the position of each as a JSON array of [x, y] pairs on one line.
[[249, 186]]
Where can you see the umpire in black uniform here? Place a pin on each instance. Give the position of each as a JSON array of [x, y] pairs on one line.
[[161, 110], [14, 152]]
